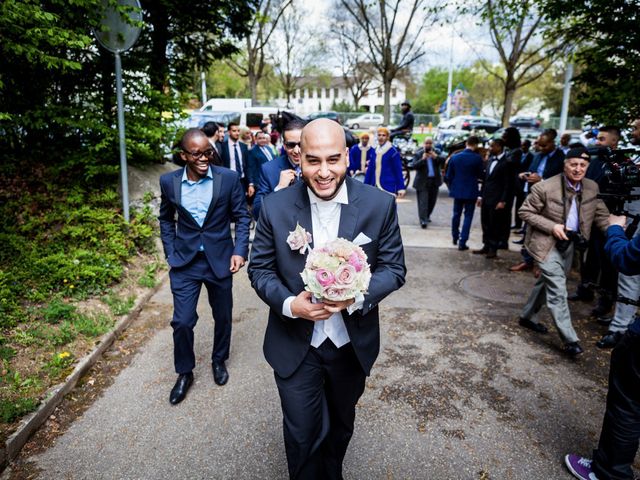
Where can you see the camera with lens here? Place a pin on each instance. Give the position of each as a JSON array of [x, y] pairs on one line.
[[580, 243]]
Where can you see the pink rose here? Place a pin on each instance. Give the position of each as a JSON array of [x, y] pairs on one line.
[[334, 293], [345, 275], [324, 277], [356, 262], [299, 239]]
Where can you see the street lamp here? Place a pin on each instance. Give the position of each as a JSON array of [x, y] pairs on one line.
[[118, 35]]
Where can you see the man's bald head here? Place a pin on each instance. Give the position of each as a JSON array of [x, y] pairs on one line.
[[189, 135], [323, 127]]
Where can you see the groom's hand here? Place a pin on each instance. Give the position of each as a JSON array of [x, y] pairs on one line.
[[237, 262], [302, 307], [336, 307]]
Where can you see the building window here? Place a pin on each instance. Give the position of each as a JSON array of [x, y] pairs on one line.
[[335, 93], [327, 92], [379, 92], [394, 92], [319, 93]]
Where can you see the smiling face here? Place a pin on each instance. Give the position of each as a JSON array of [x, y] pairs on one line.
[[575, 169], [196, 146], [291, 145], [324, 158], [383, 136]]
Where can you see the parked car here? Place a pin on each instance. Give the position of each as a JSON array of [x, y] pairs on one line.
[[471, 122], [524, 122], [198, 119], [331, 115], [365, 120], [525, 133]]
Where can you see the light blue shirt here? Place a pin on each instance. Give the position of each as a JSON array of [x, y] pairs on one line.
[[196, 196]]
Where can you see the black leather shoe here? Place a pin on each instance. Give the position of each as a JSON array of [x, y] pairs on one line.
[[180, 389], [518, 242], [609, 340], [220, 374], [455, 241], [600, 310], [536, 327], [492, 254], [462, 247], [572, 349], [482, 251], [423, 225]]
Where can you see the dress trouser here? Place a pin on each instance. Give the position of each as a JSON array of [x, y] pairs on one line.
[[551, 287], [186, 283], [460, 204], [628, 287], [319, 408], [621, 426], [427, 200], [493, 222]]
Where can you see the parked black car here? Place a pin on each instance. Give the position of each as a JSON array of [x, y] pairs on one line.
[[525, 122]]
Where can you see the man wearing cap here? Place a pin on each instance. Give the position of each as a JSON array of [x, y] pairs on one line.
[[385, 171], [360, 155], [406, 124], [559, 213]]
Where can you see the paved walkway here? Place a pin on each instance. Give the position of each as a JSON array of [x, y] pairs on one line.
[[458, 392]]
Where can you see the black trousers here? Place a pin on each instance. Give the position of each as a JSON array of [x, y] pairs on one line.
[[621, 426], [597, 269], [186, 283], [519, 197], [493, 222], [427, 200], [319, 408]]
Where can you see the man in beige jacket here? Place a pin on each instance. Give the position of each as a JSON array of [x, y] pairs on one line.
[[560, 212]]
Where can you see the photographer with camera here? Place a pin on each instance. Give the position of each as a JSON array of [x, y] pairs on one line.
[[620, 432], [559, 213]]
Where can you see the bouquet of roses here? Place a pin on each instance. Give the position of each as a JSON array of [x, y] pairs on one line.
[[337, 271]]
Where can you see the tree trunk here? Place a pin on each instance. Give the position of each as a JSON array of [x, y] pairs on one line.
[[509, 95], [159, 69], [387, 100]]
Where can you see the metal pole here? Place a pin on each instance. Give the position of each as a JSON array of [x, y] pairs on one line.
[[450, 81], [566, 93], [123, 149], [203, 87]]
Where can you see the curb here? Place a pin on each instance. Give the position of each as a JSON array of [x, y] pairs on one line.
[[56, 394]]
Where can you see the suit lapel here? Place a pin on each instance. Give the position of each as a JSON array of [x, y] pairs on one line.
[[217, 185], [349, 213]]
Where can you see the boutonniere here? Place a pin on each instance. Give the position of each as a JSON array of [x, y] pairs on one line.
[[299, 239]]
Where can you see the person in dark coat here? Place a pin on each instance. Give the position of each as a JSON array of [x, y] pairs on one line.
[[464, 171], [494, 198], [427, 162]]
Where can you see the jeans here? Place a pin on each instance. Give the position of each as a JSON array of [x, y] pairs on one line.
[[458, 206]]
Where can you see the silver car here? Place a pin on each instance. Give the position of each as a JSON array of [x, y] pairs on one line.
[[365, 120]]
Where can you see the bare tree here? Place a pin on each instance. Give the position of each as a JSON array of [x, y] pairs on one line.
[[356, 72], [297, 48], [393, 35], [251, 63], [526, 47]]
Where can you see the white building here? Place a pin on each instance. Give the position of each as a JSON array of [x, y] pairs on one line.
[[319, 93]]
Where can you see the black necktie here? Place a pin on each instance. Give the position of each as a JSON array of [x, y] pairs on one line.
[[238, 162]]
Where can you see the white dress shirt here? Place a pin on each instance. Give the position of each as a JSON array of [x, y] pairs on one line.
[[325, 218]]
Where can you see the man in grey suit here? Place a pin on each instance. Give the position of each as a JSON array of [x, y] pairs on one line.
[[321, 352]]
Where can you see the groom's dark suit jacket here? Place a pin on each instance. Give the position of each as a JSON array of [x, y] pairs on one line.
[[275, 269]]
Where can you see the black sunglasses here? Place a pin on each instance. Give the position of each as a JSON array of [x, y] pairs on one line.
[[291, 145]]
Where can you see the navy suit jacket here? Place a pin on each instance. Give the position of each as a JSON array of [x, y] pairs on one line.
[[182, 236], [275, 269], [226, 159], [254, 163], [464, 171], [269, 179], [554, 165]]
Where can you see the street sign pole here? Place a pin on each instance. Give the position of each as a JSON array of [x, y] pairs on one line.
[[123, 147]]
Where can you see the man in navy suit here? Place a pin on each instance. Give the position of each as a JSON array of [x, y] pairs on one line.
[[494, 197], [322, 351], [235, 155], [284, 170], [463, 173], [199, 249], [261, 153]]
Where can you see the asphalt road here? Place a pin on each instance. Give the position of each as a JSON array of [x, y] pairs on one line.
[[459, 390]]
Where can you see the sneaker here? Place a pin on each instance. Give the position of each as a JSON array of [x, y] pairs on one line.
[[580, 467]]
